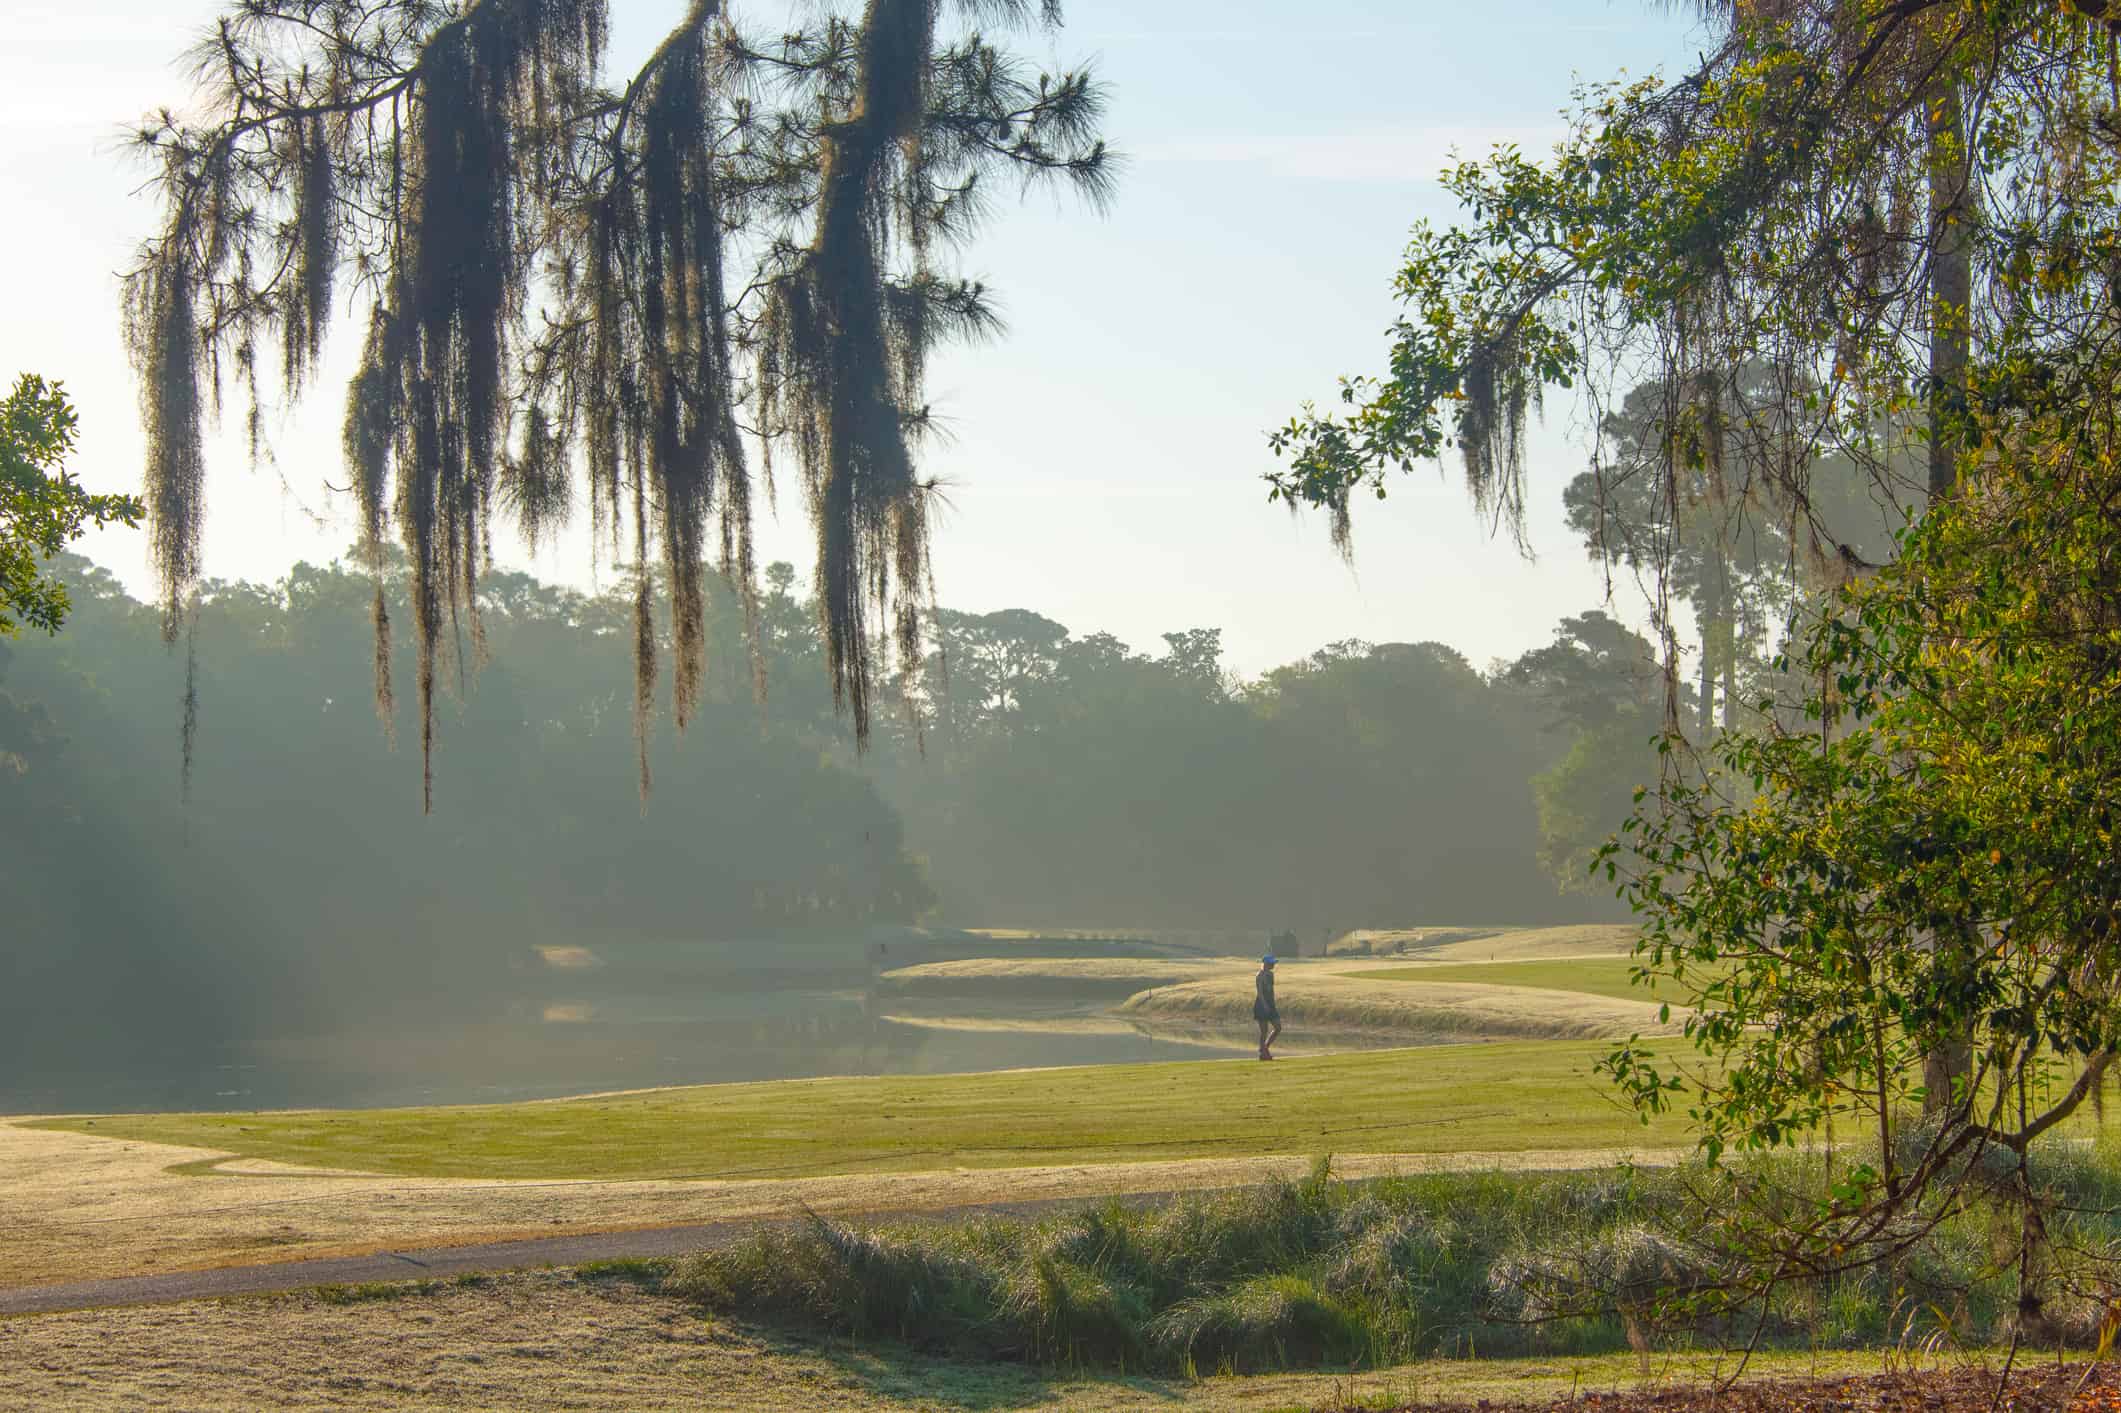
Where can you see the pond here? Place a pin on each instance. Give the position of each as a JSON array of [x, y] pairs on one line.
[[580, 1020]]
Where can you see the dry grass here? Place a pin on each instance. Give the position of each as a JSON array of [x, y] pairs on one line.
[[557, 1340], [1029, 1021], [1379, 941], [1314, 998], [1023, 978], [1537, 943], [1485, 944]]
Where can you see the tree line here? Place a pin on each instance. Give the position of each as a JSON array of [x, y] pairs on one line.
[[1029, 777]]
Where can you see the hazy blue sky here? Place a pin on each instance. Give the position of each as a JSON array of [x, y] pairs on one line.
[[1107, 454]]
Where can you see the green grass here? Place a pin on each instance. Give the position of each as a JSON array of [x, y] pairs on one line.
[[643, 1272], [1594, 976], [336, 1294], [1438, 1099]]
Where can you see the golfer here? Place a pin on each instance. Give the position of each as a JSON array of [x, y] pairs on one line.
[[1263, 1008]]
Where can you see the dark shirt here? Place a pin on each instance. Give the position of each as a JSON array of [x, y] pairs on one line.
[[1263, 987]]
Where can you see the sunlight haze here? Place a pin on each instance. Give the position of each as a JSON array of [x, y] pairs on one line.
[[1104, 455]]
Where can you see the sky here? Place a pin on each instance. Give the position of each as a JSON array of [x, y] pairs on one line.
[[1105, 457]]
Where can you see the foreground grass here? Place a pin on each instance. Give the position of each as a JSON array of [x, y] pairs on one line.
[[1441, 1099], [553, 1339], [1322, 1274]]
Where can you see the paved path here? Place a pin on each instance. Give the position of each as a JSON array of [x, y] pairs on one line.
[[435, 1263]]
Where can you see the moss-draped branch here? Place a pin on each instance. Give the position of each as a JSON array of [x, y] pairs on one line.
[[554, 272]]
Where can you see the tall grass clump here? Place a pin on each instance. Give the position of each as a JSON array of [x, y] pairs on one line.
[[824, 1275], [1319, 1273]]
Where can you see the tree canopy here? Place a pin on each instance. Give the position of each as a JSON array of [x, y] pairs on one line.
[[43, 508], [1778, 217], [1859, 254]]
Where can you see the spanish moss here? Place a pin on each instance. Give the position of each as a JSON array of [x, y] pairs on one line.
[[554, 309]]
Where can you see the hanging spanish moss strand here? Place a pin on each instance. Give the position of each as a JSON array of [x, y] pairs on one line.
[[366, 441], [162, 333], [189, 731], [644, 663], [696, 459], [846, 333], [545, 264]]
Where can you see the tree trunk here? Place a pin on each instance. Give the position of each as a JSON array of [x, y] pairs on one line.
[[1948, 1059], [1951, 288], [1707, 708], [1729, 641]]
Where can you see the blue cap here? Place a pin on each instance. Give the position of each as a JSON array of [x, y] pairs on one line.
[[1267, 960]]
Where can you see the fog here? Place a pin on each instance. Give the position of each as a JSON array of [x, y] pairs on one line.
[[292, 930]]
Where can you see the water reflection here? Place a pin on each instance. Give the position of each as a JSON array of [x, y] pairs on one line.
[[576, 1020]]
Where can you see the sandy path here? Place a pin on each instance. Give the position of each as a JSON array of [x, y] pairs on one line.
[[75, 1207]]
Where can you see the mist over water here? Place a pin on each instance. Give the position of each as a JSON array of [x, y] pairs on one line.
[[285, 928], [626, 1017]]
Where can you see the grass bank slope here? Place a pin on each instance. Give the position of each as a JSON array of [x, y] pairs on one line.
[[1489, 944], [1056, 978], [1594, 976], [1316, 999], [1503, 1098], [1533, 943]]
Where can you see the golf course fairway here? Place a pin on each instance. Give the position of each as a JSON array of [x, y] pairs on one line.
[[1432, 1099]]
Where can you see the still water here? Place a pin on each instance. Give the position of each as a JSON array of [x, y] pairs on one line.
[[576, 1021]]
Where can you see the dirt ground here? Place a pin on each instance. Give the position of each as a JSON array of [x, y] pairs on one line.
[[2040, 1388], [75, 1207]]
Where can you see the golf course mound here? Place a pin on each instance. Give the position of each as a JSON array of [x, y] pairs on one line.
[[1052, 978], [1488, 944], [1317, 1000]]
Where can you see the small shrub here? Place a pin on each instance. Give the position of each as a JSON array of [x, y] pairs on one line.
[[1199, 1241], [1275, 1322], [1075, 1316], [1633, 1270], [853, 1282], [1853, 1311]]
